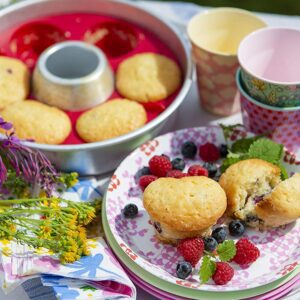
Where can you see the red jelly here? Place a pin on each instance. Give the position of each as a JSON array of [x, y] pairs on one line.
[[30, 40], [114, 38]]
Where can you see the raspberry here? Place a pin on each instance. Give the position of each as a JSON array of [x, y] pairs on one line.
[[191, 249], [246, 252], [224, 273], [160, 165], [175, 174], [145, 180], [209, 152], [197, 170]]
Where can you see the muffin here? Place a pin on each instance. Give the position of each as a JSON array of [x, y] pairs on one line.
[[256, 194], [14, 81], [282, 205], [40, 122], [111, 119], [185, 207], [148, 77]]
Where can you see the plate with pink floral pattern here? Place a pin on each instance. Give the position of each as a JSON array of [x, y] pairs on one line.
[[279, 248]]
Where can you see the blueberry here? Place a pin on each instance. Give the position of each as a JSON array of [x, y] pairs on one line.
[[183, 269], [223, 150], [178, 164], [210, 244], [130, 211], [219, 234], [236, 228], [189, 149], [141, 172], [211, 168]]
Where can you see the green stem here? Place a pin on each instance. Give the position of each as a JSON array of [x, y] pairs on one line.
[[5, 230], [28, 211]]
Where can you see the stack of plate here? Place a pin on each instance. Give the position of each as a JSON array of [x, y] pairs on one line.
[[152, 264]]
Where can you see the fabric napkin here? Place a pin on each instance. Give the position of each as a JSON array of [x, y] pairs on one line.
[[97, 276]]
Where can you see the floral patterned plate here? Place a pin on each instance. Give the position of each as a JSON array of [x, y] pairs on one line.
[[280, 251]]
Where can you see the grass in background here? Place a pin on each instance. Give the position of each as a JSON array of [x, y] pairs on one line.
[[285, 7]]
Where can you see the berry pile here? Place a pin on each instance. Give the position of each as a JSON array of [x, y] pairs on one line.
[[163, 166], [216, 251], [215, 257]]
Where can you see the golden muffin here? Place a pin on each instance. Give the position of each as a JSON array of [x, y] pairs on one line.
[[185, 207], [111, 119], [148, 77], [256, 194], [282, 205], [14, 81], [40, 122]]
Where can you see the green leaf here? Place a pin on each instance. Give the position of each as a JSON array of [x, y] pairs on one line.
[[243, 145], [284, 173], [208, 268], [228, 161], [267, 150], [226, 250], [233, 155]]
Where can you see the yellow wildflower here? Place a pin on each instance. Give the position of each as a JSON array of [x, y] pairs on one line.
[[89, 217], [43, 251], [6, 251], [85, 250], [5, 242], [68, 257], [12, 228], [54, 204], [91, 243], [45, 203], [45, 231], [43, 194], [81, 233]]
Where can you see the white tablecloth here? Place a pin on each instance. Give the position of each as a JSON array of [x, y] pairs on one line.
[[190, 113]]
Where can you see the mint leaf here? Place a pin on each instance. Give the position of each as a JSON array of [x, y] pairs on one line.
[[266, 150], [243, 145], [228, 161], [208, 268], [284, 173], [233, 155], [226, 250]]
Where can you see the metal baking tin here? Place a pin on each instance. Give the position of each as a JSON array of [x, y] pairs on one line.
[[101, 157], [53, 85]]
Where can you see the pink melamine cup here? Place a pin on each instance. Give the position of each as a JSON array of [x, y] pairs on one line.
[[280, 124], [270, 61]]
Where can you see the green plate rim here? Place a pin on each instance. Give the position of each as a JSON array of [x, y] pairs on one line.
[[180, 290]]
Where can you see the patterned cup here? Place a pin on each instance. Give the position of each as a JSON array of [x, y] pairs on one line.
[[270, 61], [215, 36], [280, 124]]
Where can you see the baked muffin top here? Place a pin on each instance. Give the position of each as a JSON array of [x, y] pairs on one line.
[[185, 204]]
